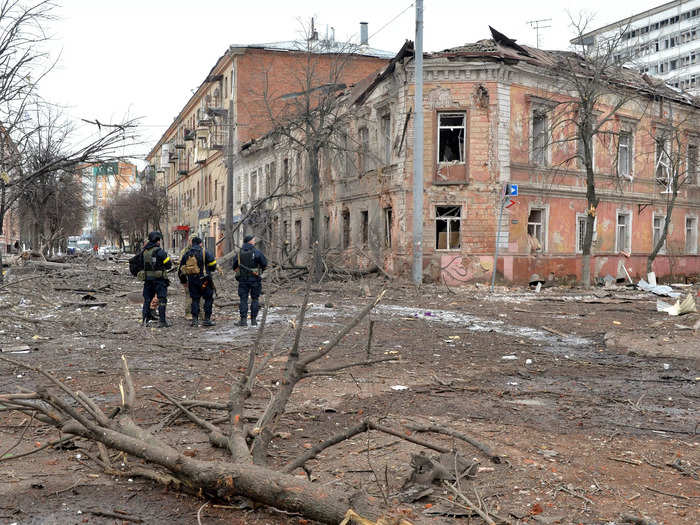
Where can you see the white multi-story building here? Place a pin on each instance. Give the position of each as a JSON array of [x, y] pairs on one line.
[[662, 42]]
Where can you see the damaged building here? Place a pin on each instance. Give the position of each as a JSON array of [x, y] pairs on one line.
[[243, 93], [488, 111]]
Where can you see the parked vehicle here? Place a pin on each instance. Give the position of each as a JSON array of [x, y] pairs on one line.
[[106, 253]]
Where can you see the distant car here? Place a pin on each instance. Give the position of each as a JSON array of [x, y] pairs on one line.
[[108, 252]]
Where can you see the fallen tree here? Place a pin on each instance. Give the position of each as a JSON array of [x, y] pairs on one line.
[[246, 473]]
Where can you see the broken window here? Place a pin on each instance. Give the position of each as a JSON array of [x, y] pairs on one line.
[[451, 133], [297, 234], [663, 161], [691, 235], [539, 137], [623, 232], [363, 157], [692, 175], [448, 221], [364, 218], [326, 232], [581, 221], [658, 228], [386, 138], [346, 229], [388, 220], [536, 229], [624, 154]]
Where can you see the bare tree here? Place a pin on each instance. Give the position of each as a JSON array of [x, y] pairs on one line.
[[675, 165], [598, 86], [312, 118], [246, 437], [23, 63]]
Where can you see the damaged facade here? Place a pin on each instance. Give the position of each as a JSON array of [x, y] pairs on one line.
[[486, 110], [191, 158]]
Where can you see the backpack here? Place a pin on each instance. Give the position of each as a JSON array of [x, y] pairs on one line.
[[136, 264], [191, 266]]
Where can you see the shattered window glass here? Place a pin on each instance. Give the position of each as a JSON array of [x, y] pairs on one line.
[[451, 133], [447, 227]]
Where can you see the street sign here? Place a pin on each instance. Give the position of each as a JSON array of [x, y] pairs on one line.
[[512, 190]]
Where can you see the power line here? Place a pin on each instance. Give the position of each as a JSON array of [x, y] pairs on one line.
[[390, 21]]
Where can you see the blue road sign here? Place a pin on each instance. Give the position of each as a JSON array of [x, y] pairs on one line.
[[512, 190]]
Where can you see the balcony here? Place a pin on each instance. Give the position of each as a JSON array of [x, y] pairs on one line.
[[217, 137], [183, 165]]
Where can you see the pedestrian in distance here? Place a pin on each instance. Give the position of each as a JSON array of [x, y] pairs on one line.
[[249, 267], [156, 263], [198, 265]]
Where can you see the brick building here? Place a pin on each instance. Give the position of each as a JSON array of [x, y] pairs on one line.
[[485, 110], [248, 81]]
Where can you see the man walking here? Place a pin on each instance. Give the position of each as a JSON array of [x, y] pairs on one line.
[[198, 264], [249, 266], [156, 262]]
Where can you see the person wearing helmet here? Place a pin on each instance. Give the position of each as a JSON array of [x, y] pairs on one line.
[[249, 266], [198, 264], [156, 263]]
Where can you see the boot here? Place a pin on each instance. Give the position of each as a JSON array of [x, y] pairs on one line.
[[161, 314], [243, 322], [145, 320], [208, 321], [253, 321], [195, 321]]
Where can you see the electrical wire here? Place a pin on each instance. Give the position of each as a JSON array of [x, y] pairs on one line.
[[391, 21]]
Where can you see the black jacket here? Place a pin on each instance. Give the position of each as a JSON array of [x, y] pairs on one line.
[[256, 262]]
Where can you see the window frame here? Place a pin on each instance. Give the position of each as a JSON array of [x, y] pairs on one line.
[[347, 229], [388, 214], [542, 111], [543, 225], [692, 171], [462, 153], [662, 218], [628, 244], [579, 239], [694, 249], [363, 150], [448, 219], [385, 129], [629, 154]]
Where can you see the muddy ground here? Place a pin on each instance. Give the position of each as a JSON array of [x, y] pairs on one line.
[[588, 396]]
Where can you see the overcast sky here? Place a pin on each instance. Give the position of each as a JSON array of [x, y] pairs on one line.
[[143, 58]]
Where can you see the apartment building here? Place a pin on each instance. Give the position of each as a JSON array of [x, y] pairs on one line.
[[244, 92], [101, 182], [485, 112], [663, 42]]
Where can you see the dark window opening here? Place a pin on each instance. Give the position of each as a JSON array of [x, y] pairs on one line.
[[451, 133], [346, 229], [364, 215], [388, 221]]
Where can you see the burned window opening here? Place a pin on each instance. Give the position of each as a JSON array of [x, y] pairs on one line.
[[451, 134], [448, 222]]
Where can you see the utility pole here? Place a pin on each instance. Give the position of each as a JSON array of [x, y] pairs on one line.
[[229, 176], [535, 24], [418, 150]]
